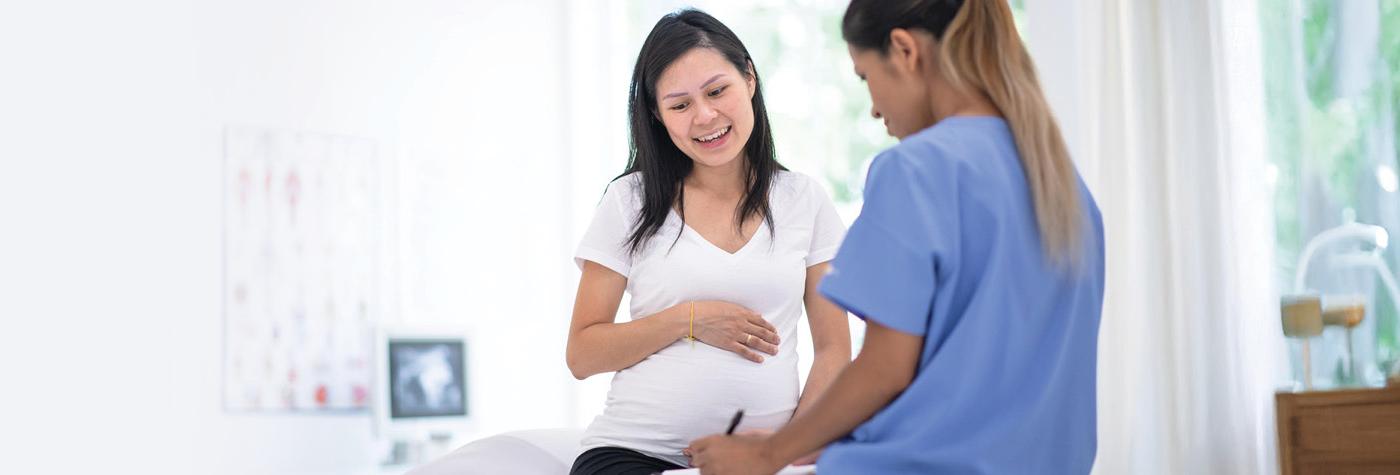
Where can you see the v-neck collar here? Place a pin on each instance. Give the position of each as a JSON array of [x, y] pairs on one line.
[[706, 242]]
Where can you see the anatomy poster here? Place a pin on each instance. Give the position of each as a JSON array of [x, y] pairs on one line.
[[301, 253]]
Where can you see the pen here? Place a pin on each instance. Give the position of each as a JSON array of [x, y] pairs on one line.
[[734, 422]]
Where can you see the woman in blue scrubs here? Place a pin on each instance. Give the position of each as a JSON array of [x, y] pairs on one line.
[[976, 262]]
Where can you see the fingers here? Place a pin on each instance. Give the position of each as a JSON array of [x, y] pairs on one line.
[[751, 333], [699, 445], [757, 319], [761, 329], [763, 334], [761, 343], [745, 352]]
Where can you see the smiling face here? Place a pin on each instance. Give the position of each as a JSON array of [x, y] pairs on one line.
[[706, 105]]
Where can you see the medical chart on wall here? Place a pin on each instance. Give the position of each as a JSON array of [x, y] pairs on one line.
[[301, 252]]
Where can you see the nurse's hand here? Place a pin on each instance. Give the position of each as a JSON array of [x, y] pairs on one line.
[[742, 454], [809, 459], [761, 433], [732, 327]]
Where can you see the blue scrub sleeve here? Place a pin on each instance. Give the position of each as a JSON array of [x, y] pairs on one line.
[[886, 268], [876, 277]]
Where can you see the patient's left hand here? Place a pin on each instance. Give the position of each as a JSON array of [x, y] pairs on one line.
[[743, 454]]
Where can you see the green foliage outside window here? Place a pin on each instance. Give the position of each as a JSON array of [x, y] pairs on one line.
[[1333, 118]]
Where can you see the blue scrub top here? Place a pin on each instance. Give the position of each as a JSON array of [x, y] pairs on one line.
[[947, 248]]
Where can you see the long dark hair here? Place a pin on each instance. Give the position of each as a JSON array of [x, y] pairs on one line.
[[663, 167], [981, 51]]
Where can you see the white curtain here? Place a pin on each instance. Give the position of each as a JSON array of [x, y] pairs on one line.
[[1168, 132]]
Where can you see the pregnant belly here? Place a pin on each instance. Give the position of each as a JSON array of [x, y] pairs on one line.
[[683, 393]]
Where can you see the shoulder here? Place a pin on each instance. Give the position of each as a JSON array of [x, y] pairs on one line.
[[919, 177], [795, 187], [625, 191], [630, 182], [910, 164], [956, 142], [788, 181], [964, 150]]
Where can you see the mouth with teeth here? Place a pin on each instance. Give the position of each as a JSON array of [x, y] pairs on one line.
[[714, 140]]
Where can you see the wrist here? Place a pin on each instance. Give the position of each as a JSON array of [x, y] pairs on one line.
[[685, 320], [769, 455]]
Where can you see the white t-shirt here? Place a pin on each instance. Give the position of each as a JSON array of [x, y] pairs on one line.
[[684, 391]]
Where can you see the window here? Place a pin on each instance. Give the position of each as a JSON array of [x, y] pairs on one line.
[[1332, 78]]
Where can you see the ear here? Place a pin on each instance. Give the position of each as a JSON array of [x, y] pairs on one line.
[[904, 51], [749, 80]]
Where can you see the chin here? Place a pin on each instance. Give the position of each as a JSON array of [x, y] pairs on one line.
[[899, 132], [717, 159]]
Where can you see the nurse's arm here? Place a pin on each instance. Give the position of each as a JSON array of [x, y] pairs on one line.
[[882, 370], [596, 344], [831, 339]]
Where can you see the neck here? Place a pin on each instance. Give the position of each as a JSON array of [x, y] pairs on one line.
[[723, 180], [952, 103], [946, 101]]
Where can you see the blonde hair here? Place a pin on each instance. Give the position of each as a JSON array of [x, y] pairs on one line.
[[981, 50]]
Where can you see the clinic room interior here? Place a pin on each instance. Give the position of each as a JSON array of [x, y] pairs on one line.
[[369, 237]]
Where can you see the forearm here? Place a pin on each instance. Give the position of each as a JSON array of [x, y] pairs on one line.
[[831, 339], [859, 391], [826, 365], [606, 347]]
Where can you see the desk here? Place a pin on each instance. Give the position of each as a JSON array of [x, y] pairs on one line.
[[1344, 431]]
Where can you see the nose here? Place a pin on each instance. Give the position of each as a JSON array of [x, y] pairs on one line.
[[704, 113], [874, 113]]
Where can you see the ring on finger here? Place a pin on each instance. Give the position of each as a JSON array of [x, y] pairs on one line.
[[748, 339]]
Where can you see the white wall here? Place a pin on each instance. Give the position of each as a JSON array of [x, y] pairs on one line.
[[111, 118], [1059, 40]]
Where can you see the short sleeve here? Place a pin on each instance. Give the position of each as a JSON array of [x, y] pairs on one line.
[[886, 268], [605, 241], [828, 228]]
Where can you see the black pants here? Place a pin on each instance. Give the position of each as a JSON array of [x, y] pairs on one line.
[[618, 461]]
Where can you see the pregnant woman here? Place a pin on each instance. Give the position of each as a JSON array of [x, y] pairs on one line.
[[720, 249]]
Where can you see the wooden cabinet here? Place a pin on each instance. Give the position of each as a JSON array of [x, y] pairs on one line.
[[1339, 432]]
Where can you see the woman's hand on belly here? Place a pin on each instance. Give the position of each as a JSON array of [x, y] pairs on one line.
[[731, 327]]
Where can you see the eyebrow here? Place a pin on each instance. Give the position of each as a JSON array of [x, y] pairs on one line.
[[702, 86]]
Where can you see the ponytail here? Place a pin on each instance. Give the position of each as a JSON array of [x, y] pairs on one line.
[[981, 51]]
